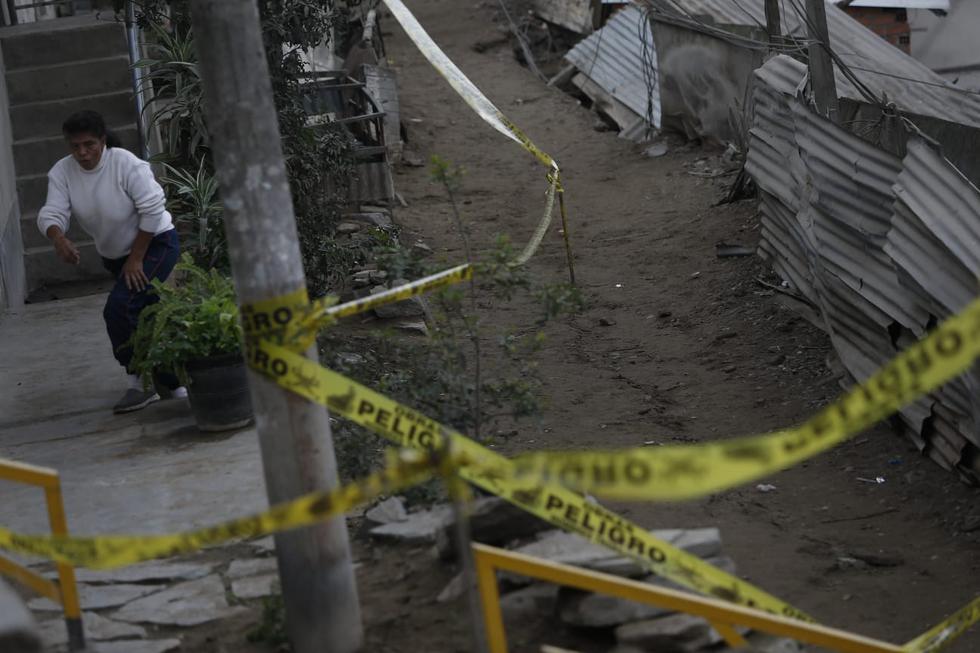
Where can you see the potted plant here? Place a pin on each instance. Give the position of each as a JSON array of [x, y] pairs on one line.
[[193, 332]]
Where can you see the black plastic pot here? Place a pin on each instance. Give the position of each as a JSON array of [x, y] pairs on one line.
[[218, 392]]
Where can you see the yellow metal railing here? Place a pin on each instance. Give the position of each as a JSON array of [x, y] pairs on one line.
[[64, 591], [721, 615]]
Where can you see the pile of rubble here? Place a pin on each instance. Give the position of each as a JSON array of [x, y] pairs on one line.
[[636, 627]]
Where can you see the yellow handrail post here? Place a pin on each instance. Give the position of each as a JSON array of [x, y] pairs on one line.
[[493, 618], [66, 573]]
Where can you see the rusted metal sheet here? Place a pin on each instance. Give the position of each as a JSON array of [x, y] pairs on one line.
[[884, 247], [886, 71], [621, 59]]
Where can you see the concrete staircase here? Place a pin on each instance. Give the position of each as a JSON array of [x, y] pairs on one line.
[[52, 69]]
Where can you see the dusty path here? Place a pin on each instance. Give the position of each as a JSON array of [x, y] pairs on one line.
[[696, 348]]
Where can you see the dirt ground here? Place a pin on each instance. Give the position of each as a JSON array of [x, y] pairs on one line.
[[676, 345], [696, 348]]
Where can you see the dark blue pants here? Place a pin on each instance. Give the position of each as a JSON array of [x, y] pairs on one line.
[[123, 307]]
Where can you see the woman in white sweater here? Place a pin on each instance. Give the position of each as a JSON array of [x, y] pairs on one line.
[[114, 197]]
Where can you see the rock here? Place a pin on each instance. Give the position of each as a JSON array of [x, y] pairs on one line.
[[970, 523], [420, 527], [578, 608], [142, 573], [372, 219], [255, 587], [677, 633], [345, 228], [251, 567], [571, 549], [265, 544], [18, 632], [656, 150], [97, 597], [97, 629], [763, 643], [412, 159], [361, 279], [420, 250], [411, 307], [878, 559], [453, 590], [378, 276], [606, 322], [374, 208], [138, 646], [533, 600], [388, 511], [187, 604], [493, 521], [413, 326]]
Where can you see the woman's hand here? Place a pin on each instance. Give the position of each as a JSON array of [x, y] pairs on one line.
[[133, 273], [66, 250]]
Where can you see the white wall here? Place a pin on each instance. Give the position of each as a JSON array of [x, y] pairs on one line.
[[948, 44], [11, 248]]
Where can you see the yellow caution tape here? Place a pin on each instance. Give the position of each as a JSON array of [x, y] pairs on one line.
[[293, 320], [108, 551], [943, 634], [551, 502], [483, 108], [685, 471]]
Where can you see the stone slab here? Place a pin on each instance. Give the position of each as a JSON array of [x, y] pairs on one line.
[[420, 527], [98, 597], [142, 573], [388, 511], [187, 604], [251, 567], [97, 629], [255, 587], [138, 646]]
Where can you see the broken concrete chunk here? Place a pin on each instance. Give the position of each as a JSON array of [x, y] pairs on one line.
[[676, 633], [187, 604], [413, 326], [18, 632], [420, 527], [255, 587], [453, 590], [143, 573], [534, 600], [264, 545], [411, 307], [421, 250], [388, 511], [251, 567], [345, 228], [577, 608], [493, 521], [97, 597], [372, 219]]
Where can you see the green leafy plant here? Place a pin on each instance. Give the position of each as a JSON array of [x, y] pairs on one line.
[[272, 628], [198, 213], [196, 319]]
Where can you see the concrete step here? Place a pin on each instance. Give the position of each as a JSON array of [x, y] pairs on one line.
[[32, 237], [36, 155], [32, 190], [42, 266], [38, 119], [74, 79], [60, 41]]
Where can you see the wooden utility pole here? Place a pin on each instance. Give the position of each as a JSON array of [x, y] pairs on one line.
[[774, 25], [821, 64], [322, 609]]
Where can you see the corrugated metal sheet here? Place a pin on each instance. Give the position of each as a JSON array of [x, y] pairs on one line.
[[885, 248], [613, 58], [884, 69]]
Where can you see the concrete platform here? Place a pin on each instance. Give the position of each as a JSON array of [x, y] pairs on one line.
[[146, 472]]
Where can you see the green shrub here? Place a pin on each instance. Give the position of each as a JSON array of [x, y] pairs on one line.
[[196, 319]]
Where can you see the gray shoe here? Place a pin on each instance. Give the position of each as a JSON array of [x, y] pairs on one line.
[[135, 400]]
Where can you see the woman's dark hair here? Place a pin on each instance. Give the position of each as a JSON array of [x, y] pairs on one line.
[[89, 122]]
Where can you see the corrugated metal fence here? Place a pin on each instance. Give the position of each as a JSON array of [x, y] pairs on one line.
[[883, 248]]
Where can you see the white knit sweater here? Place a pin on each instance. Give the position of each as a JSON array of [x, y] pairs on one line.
[[112, 202]]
